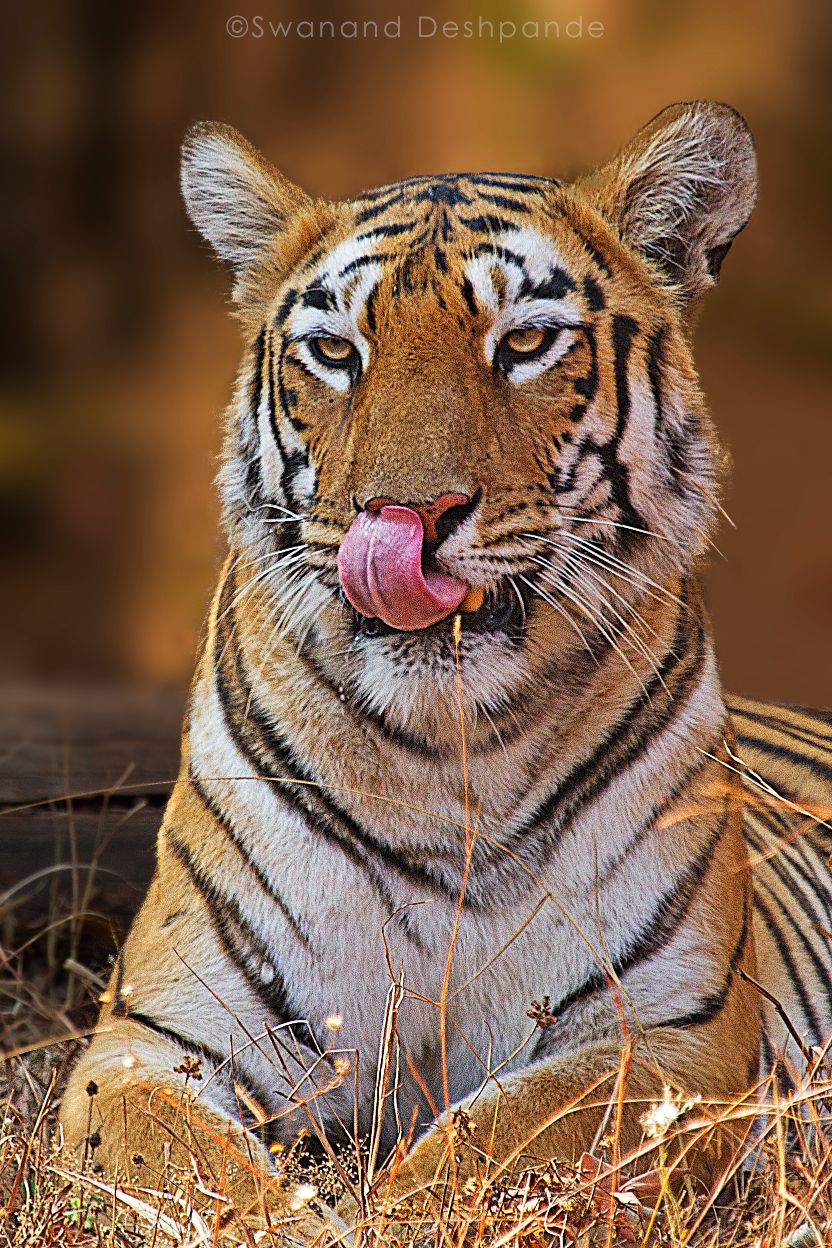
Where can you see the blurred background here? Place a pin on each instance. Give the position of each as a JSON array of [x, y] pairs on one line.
[[118, 351]]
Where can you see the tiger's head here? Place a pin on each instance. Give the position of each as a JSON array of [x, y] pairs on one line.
[[472, 395]]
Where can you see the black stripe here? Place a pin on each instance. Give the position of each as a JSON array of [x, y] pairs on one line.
[[595, 252], [378, 209], [788, 961], [818, 716], [672, 439], [370, 308], [525, 183], [294, 461], [807, 738], [594, 295], [376, 193], [500, 253], [230, 1070], [487, 223], [655, 352], [624, 329], [387, 231], [651, 816], [361, 262], [443, 190], [587, 386], [275, 761], [240, 943], [804, 734], [821, 970], [667, 917], [812, 886], [468, 296], [713, 1004], [224, 822], [318, 297], [286, 305], [626, 739], [505, 201], [419, 746], [817, 871], [196, 1048], [822, 770], [254, 480], [556, 285]]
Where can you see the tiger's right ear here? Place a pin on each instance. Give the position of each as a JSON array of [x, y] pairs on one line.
[[235, 198]]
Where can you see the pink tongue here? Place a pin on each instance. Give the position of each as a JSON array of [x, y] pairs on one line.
[[380, 565]]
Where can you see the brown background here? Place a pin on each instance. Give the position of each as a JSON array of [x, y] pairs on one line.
[[119, 354]]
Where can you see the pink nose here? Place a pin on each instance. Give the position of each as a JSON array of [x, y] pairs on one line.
[[429, 513]]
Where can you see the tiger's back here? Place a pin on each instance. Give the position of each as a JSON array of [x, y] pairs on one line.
[[785, 754]]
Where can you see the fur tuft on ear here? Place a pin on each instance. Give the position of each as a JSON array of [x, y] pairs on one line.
[[680, 192], [234, 197]]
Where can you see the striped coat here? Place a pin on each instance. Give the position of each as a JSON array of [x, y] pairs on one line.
[[537, 794]]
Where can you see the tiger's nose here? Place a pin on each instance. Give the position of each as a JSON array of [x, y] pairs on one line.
[[439, 516]]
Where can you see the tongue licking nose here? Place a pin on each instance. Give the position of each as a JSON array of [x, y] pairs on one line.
[[380, 566]]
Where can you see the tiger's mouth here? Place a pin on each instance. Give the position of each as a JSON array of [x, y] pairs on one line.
[[503, 610]]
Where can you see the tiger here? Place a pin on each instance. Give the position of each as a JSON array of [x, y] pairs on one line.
[[458, 773]]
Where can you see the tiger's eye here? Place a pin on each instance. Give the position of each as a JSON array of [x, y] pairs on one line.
[[524, 341], [336, 350]]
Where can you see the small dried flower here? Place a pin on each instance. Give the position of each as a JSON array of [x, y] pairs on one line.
[[190, 1067], [541, 1013], [464, 1126]]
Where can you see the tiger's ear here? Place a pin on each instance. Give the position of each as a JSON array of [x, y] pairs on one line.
[[680, 192], [235, 198]]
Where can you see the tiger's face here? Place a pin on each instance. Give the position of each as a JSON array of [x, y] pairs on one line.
[[472, 397]]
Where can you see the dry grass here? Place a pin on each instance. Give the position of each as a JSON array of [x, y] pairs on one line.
[[46, 998]]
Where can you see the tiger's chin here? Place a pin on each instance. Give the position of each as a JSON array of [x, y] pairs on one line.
[[413, 677]]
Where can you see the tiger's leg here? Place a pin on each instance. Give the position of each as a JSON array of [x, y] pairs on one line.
[[554, 1108], [134, 1112], [193, 1046]]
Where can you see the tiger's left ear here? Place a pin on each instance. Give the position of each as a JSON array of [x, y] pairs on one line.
[[239, 202], [680, 192]]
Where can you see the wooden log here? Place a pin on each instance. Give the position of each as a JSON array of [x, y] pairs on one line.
[[84, 777]]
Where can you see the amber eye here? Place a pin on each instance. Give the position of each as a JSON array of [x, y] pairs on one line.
[[525, 341], [338, 352], [522, 345]]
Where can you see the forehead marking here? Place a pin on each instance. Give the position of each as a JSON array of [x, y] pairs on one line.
[[521, 278]]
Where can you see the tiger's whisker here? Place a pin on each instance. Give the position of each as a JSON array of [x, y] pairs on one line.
[[561, 611]]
